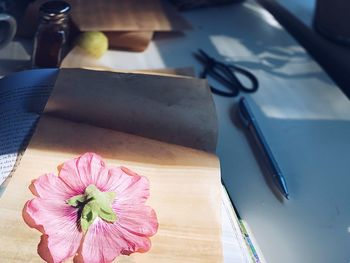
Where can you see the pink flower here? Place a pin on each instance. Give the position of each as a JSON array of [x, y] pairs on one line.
[[90, 212]]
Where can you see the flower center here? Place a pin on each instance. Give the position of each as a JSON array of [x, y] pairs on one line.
[[93, 203]]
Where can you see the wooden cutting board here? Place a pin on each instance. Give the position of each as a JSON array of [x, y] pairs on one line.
[[113, 16], [126, 15], [185, 190]]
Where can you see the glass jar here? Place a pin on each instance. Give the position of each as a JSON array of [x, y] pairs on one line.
[[51, 36]]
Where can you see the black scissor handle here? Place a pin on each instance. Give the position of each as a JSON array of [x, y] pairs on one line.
[[249, 75], [226, 75], [215, 75]]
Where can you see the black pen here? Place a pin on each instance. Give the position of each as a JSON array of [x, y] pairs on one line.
[[251, 124]]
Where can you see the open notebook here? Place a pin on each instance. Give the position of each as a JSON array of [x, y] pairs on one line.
[[161, 127]]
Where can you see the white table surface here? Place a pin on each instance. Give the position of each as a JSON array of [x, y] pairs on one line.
[[305, 119]]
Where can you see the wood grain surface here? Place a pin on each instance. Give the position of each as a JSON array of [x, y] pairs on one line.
[[113, 15], [126, 15], [185, 190], [130, 41]]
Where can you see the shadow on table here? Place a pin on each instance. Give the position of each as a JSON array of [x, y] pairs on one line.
[[243, 34], [313, 154], [313, 151]]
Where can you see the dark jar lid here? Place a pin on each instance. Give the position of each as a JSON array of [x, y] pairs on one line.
[[54, 8]]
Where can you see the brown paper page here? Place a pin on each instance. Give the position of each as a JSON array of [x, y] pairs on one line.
[[171, 109], [181, 72], [185, 191]]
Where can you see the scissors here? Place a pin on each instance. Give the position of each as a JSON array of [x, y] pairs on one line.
[[226, 75]]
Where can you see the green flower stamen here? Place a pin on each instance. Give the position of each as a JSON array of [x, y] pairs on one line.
[[93, 203]]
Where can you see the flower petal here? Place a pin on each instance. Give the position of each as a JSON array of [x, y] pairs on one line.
[[59, 222], [104, 242], [80, 172], [109, 179], [140, 220], [101, 243], [50, 186], [130, 188]]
